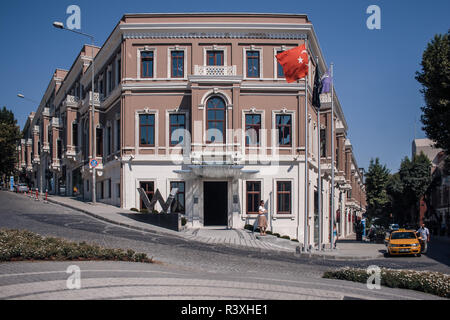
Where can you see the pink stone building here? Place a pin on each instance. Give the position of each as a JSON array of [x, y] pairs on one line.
[[197, 102]]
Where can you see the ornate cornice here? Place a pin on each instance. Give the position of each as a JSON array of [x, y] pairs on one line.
[[215, 35]]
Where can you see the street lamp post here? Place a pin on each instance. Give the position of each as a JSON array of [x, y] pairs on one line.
[[60, 25], [22, 96]]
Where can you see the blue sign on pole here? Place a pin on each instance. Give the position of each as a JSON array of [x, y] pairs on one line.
[[11, 183], [94, 163]]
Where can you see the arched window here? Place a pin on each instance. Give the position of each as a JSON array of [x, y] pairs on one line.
[[215, 124]]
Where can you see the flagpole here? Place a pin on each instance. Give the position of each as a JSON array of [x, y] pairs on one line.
[[306, 239], [319, 178], [332, 156]]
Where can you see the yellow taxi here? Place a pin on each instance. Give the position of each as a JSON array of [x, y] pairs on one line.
[[402, 242]]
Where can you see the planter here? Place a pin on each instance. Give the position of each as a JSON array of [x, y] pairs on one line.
[[170, 221]]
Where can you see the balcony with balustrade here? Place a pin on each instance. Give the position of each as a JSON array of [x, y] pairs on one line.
[[204, 73]]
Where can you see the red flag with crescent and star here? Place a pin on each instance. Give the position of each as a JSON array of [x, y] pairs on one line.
[[294, 62]]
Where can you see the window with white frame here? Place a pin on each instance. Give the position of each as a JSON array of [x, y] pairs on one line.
[[252, 62]]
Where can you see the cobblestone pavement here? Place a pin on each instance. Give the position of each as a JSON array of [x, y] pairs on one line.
[[123, 280]]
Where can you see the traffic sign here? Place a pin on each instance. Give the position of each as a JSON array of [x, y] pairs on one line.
[[94, 163]]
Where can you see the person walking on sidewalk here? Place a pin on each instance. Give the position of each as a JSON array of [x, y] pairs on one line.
[[262, 220], [335, 236], [425, 235]]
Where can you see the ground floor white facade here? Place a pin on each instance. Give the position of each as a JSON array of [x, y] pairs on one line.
[[215, 195]]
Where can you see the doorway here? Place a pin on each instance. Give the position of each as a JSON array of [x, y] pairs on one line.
[[215, 208]]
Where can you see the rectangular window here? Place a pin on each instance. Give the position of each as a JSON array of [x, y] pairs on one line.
[[177, 121], [253, 64], [147, 64], [149, 189], [253, 196], [214, 58], [252, 129], [119, 71], [280, 71], [109, 189], [110, 81], [59, 148], [284, 129], [118, 190], [108, 140], [323, 143], [177, 64], [284, 197], [117, 134], [147, 130], [74, 134], [99, 140], [337, 154], [179, 205]]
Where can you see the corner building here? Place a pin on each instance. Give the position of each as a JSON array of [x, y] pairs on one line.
[[197, 102]]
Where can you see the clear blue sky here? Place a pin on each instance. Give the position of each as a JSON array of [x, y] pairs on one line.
[[374, 69]]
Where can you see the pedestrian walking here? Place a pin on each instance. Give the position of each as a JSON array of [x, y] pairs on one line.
[[425, 235], [262, 219], [335, 236]]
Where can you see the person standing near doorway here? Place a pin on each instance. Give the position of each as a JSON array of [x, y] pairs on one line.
[[262, 219]]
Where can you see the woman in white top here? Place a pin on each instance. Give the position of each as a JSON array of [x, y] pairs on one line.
[[262, 220]]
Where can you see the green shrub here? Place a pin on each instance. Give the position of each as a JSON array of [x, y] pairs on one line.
[[18, 245], [269, 232], [426, 281], [286, 237], [134, 209], [183, 221], [276, 234], [295, 240]]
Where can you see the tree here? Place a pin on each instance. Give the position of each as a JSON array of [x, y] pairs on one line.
[[377, 177], [408, 186], [435, 79], [9, 137]]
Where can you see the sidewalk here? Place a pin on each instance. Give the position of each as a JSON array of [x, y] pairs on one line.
[[348, 249]]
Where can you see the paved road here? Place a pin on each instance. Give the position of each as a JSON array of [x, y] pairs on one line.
[[180, 256]]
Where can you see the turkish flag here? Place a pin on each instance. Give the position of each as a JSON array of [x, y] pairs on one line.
[[294, 63]]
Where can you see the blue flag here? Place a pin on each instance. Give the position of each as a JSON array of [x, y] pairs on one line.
[[326, 82]]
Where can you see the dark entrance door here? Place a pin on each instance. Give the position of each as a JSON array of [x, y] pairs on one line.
[[215, 203]]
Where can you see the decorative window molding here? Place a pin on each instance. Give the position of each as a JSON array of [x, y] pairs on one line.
[[215, 48], [244, 62], [139, 71], [146, 111], [169, 62], [186, 125], [283, 111], [263, 133]]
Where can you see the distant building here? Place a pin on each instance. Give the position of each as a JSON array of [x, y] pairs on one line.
[[427, 147], [438, 204]]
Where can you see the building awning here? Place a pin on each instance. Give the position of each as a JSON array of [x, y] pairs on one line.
[[216, 171]]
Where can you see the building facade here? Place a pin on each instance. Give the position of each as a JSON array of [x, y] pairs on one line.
[[198, 102]]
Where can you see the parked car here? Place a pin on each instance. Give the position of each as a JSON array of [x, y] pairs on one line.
[[403, 242], [21, 187], [393, 227]]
